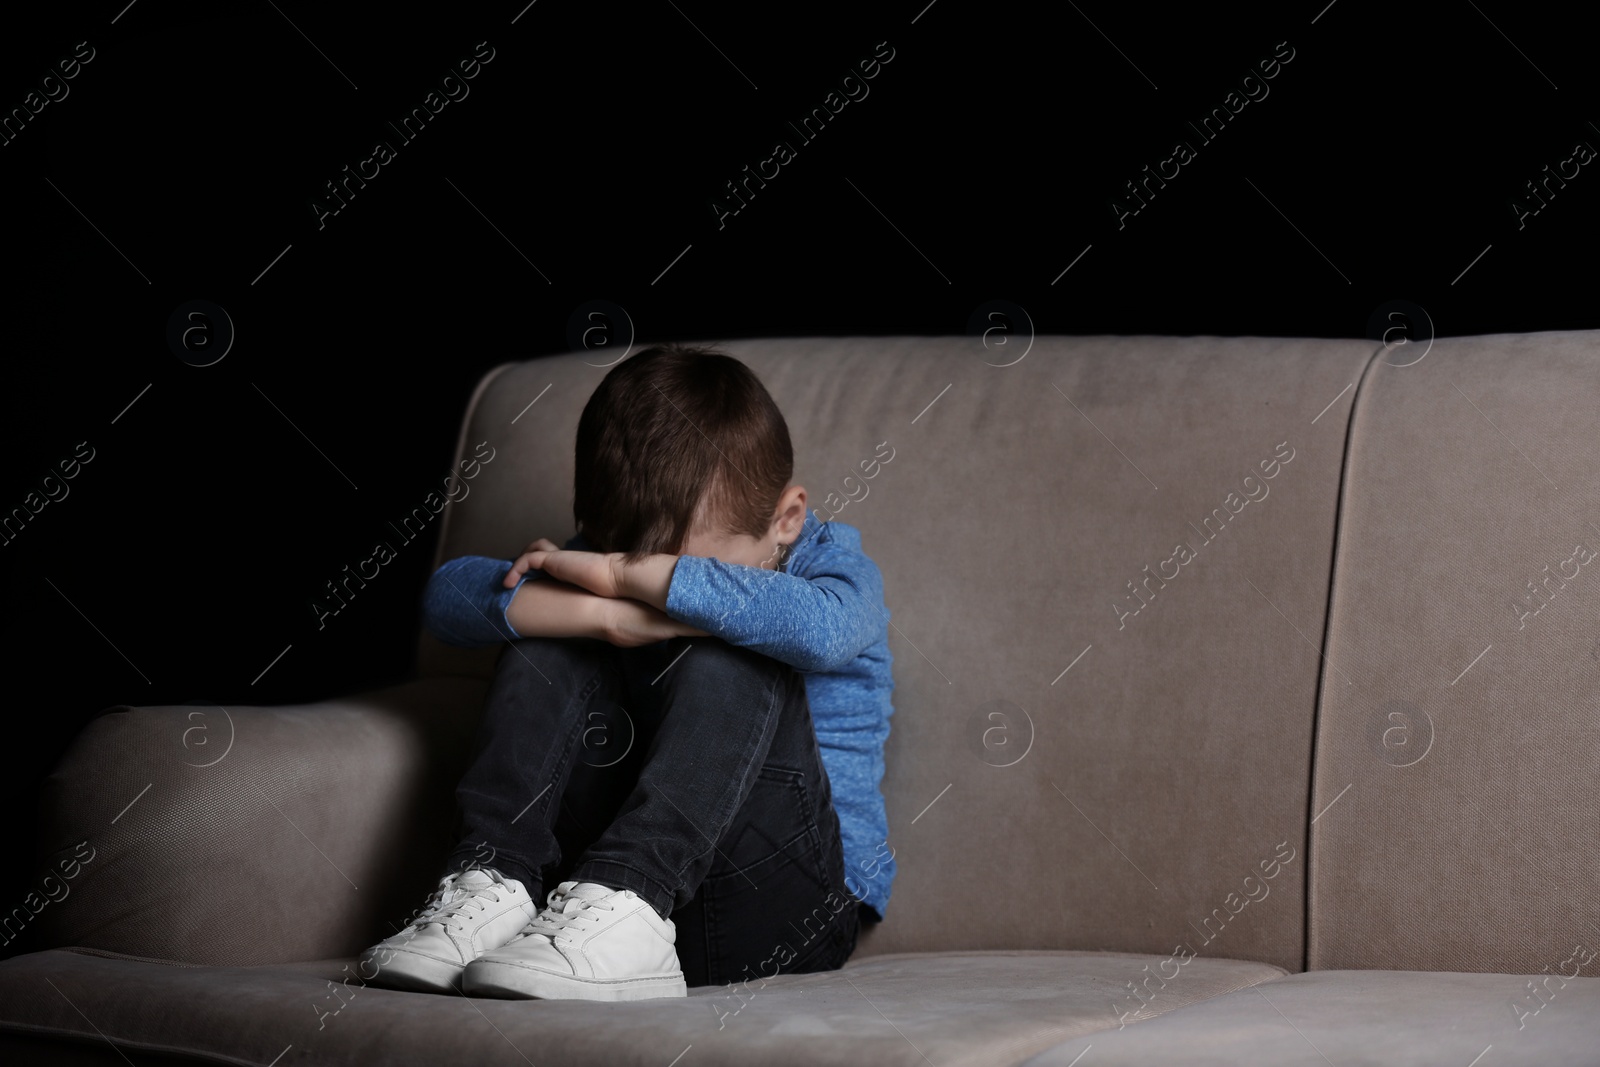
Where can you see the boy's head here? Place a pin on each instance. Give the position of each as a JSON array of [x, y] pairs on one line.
[[682, 450]]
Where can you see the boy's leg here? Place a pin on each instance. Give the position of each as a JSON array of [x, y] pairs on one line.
[[729, 828], [718, 712], [541, 709], [532, 730], [772, 898], [611, 753]]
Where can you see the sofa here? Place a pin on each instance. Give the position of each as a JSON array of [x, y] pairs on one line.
[[1247, 710]]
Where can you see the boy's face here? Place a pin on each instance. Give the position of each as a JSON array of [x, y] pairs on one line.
[[712, 540]]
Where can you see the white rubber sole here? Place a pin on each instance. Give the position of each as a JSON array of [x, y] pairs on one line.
[[416, 973], [489, 978]]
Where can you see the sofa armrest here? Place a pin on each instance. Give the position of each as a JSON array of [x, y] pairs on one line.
[[250, 835]]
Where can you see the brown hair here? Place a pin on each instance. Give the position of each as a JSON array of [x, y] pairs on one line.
[[670, 430]]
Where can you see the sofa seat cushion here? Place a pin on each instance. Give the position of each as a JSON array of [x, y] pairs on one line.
[[948, 1008], [1352, 1018]]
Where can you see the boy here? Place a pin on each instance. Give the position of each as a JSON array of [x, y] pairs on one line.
[[732, 839]]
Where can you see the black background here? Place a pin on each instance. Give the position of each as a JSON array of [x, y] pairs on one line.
[[980, 166]]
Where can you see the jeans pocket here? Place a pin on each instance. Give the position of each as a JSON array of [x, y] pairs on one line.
[[776, 825]]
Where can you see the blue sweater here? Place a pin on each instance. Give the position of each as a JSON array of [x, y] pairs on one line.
[[823, 614]]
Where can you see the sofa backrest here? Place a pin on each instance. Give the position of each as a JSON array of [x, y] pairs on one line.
[[1107, 563], [1455, 820]]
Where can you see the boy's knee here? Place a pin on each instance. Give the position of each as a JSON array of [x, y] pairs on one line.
[[712, 657], [559, 647], [538, 657]]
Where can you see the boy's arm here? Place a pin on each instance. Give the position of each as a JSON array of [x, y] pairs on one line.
[[818, 621], [467, 605], [473, 601]]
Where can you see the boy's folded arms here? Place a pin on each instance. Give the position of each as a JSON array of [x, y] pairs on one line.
[[816, 621], [467, 605]]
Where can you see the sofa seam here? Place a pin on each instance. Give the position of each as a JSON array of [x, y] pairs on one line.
[[1340, 517], [1041, 952], [112, 954]]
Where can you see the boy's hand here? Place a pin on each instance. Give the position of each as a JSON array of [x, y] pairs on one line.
[[629, 624], [600, 573], [522, 565]]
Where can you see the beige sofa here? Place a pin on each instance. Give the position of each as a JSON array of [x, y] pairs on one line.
[[1315, 790]]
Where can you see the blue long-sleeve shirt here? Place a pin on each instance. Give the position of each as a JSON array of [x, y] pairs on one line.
[[823, 614]]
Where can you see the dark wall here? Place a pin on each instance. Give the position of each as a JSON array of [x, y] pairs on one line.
[[1384, 157]]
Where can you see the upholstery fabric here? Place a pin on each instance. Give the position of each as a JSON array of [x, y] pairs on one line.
[[1456, 826], [1130, 797], [1104, 784], [1362, 1019], [952, 1008], [277, 834]]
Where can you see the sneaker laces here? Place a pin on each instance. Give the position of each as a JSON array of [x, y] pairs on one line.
[[565, 911], [451, 900]]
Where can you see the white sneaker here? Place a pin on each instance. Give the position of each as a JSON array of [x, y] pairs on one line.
[[589, 943], [470, 913]]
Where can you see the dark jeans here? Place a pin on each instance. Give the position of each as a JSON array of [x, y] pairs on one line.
[[686, 771]]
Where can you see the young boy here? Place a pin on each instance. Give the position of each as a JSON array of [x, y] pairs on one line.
[[741, 831]]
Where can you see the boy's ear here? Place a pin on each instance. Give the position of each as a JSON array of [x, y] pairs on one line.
[[790, 516]]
